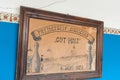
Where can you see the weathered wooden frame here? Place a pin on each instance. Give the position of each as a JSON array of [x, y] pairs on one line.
[[25, 14]]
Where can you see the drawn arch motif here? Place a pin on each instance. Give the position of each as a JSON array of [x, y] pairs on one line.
[[36, 34]]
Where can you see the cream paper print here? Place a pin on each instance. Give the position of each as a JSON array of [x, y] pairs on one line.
[[56, 47]]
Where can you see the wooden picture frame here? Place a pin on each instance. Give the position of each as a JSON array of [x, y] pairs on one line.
[[54, 46]]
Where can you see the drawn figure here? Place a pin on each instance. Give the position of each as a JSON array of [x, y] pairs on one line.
[[73, 52], [41, 63]]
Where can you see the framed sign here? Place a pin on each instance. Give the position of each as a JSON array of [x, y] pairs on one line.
[[54, 46]]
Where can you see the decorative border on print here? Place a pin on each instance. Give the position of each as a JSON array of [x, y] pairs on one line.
[[112, 31], [9, 17]]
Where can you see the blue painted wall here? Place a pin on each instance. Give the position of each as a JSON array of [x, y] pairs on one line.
[[8, 50]]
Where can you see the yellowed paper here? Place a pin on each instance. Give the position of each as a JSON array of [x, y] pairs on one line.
[[56, 47]]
